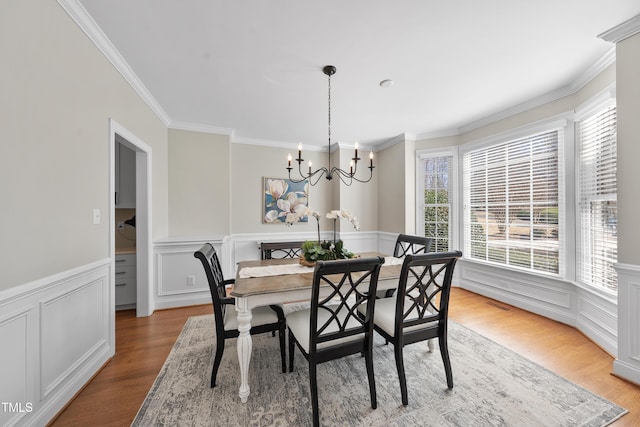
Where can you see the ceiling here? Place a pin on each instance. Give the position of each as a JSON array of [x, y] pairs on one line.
[[253, 68]]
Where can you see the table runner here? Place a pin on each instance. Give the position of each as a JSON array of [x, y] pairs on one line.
[[284, 269]]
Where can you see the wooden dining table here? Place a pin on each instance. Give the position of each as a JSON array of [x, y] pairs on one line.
[[281, 281]]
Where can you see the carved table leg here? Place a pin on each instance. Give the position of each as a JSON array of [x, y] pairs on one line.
[[244, 346]]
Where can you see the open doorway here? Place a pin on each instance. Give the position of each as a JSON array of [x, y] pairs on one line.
[[142, 220]]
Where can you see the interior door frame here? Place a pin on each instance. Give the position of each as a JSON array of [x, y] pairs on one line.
[[144, 262]]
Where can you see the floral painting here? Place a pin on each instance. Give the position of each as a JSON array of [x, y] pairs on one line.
[[285, 199]]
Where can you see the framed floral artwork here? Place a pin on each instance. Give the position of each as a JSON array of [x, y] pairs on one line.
[[283, 198]]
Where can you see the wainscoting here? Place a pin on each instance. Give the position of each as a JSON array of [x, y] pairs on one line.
[[592, 313], [627, 363], [56, 333], [60, 328], [179, 277]]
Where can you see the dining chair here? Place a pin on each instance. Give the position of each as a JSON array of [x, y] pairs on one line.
[[407, 244], [280, 250], [420, 309], [265, 319], [332, 328]]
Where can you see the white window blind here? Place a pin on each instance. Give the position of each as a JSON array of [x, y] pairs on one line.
[[437, 197], [511, 203], [597, 201]]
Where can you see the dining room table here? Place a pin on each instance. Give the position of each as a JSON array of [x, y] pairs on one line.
[[282, 281]]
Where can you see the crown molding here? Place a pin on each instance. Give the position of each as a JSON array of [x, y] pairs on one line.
[[628, 28], [275, 144], [81, 17], [196, 127], [400, 139], [438, 134], [589, 74], [351, 146], [606, 60]]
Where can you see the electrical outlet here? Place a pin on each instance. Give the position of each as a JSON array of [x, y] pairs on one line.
[[120, 225], [191, 280]]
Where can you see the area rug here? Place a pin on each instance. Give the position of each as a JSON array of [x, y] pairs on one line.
[[493, 386]]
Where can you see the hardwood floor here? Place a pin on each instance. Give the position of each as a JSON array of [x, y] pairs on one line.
[[113, 397]]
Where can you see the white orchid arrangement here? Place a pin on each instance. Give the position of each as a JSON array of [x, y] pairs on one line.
[[293, 217], [315, 251], [342, 213]]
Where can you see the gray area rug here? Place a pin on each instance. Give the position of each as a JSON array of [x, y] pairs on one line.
[[493, 386]]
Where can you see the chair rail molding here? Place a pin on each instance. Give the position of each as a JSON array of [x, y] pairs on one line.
[[627, 364]]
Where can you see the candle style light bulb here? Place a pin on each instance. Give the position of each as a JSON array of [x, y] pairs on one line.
[[289, 159], [351, 166], [356, 156], [371, 158], [309, 167]]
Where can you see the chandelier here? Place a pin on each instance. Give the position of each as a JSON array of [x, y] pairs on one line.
[[347, 177]]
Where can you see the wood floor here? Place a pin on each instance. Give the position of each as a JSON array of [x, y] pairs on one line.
[[113, 397]]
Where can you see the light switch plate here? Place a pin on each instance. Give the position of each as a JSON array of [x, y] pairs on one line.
[[96, 216]]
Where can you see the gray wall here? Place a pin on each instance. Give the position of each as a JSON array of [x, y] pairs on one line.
[[199, 184]]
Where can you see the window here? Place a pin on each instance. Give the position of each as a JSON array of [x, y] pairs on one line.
[[435, 199], [597, 195], [511, 192]]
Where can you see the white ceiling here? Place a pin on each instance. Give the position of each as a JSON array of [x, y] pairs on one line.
[[254, 67]]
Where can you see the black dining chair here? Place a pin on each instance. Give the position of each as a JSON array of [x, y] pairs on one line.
[[264, 319], [332, 328], [407, 244], [280, 250], [420, 309]]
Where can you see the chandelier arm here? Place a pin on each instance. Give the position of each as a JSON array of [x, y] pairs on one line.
[[342, 173], [320, 172], [344, 176]]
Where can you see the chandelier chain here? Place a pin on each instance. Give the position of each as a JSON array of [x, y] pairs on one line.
[[329, 112]]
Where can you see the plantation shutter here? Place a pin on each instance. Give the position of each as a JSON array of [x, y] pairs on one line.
[[597, 202]]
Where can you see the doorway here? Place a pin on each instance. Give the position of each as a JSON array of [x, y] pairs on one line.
[[143, 261]]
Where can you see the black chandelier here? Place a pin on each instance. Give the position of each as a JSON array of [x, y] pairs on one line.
[[329, 172]]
